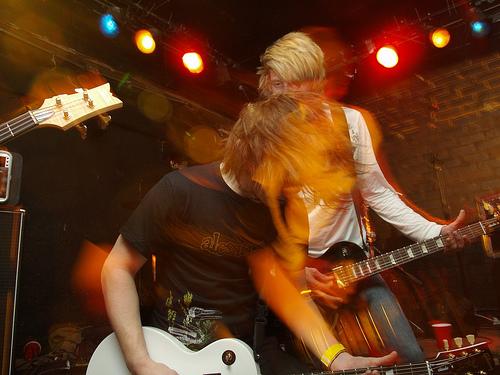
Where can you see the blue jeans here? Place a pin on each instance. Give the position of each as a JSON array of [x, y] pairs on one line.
[[392, 324]]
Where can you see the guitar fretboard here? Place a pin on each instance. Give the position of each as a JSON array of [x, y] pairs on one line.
[[409, 369], [16, 126], [417, 369], [23, 123], [443, 366], [348, 274]]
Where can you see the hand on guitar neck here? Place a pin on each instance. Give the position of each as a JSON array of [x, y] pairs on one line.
[[331, 285], [346, 361], [454, 239]]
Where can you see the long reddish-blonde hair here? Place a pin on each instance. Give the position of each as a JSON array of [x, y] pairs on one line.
[[287, 142]]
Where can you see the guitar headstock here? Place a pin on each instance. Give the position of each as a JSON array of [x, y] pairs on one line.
[[494, 225], [488, 208], [67, 110], [473, 359]]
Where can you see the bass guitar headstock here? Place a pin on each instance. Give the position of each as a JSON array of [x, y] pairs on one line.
[[67, 110]]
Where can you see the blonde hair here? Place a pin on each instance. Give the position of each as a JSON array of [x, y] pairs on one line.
[[295, 57], [287, 143]]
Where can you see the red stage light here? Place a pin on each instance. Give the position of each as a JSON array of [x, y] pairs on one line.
[[193, 62], [387, 57]]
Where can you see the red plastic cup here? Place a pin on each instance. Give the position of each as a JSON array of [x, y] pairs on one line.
[[32, 349], [442, 331]]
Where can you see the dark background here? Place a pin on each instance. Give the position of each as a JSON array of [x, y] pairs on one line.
[[438, 106]]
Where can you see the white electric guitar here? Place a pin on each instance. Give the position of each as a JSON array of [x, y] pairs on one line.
[[63, 111], [222, 357], [234, 357]]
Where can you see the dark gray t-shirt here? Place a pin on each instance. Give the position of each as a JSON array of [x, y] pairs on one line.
[[200, 232]]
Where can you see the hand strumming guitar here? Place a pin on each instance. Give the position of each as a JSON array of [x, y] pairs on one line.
[[324, 288], [150, 367]]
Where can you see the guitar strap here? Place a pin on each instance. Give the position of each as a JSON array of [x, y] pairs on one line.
[[259, 332], [339, 119]]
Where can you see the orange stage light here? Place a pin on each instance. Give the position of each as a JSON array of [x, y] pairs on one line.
[[144, 41], [193, 62], [440, 38]]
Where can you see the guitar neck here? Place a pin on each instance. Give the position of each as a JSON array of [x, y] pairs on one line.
[[423, 368], [444, 364], [348, 274], [17, 126]]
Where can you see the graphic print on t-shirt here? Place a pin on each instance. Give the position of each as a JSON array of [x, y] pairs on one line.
[[195, 326], [215, 245]]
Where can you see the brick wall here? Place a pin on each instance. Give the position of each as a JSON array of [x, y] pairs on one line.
[[448, 117], [445, 119]]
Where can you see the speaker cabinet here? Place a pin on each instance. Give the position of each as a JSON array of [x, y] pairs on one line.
[[11, 229]]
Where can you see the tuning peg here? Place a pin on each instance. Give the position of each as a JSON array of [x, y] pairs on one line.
[[471, 339], [85, 95], [82, 130], [446, 345], [103, 121], [90, 103], [58, 102], [458, 342], [66, 115]]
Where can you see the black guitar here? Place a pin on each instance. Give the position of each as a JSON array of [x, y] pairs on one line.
[[351, 266], [347, 274]]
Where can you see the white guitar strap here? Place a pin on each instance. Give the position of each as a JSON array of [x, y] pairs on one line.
[[339, 119]]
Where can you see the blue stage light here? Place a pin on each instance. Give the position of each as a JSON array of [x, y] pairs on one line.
[[480, 28], [109, 26]]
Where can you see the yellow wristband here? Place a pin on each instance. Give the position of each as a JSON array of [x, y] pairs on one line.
[[332, 353]]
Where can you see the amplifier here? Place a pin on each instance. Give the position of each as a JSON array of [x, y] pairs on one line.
[[10, 177], [11, 229]]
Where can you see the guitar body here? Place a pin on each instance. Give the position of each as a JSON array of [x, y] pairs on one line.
[[351, 324], [344, 251], [162, 347]]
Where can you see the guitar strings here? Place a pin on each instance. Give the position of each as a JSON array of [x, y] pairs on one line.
[[401, 256], [414, 369], [396, 370], [25, 120], [14, 125]]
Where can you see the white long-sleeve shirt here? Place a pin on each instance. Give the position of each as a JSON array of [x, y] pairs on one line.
[[328, 226]]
